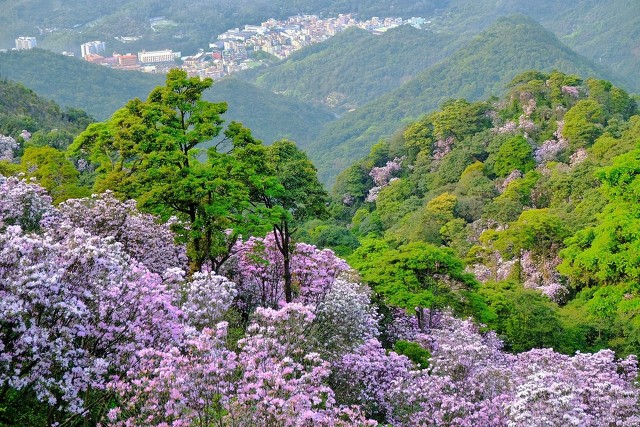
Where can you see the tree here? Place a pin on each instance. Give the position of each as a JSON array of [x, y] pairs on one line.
[[418, 277], [54, 172], [149, 151], [583, 123], [283, 186], [514, 154]]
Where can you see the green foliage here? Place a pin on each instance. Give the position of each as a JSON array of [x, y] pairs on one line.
[[416, 276], [54, 172], [511, 45], [584, 123], [524, 318], [414, 351], [536, 230], [514, 154], [21, 108], [353, 67], [101, 91]]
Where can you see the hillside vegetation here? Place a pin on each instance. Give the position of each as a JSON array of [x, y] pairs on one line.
[[101, 91], [22, 109], [355, 66], [492, 267], [536, 191], [480, 68]]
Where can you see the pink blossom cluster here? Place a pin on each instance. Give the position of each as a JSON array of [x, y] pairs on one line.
[[509, 127], [550, 149], [74, 309], [572, 91], [541, 274], [526, 124], [85, 325], [382, 176], [24, 203], [257, 267], [275, 378], [472, 382], [8, 147], [142, 236], [442, 147], [578, 157]]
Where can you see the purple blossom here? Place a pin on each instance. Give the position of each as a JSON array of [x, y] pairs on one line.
[[143, 237], [572, 91], [8, 147], [382, 176]]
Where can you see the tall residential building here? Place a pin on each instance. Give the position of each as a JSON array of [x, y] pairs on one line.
[[92, 48], [25, 43]]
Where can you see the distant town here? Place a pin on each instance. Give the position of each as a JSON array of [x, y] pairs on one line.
[[236, 49]]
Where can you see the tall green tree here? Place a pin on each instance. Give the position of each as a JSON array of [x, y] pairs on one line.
[[149, 151], [283, 186]]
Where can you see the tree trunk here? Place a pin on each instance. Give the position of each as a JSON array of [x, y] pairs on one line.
[[288, 291]]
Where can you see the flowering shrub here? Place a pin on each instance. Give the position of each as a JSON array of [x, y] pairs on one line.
[[8, 146], [101, 338], [382, 176], [257, 267], [141, 235]]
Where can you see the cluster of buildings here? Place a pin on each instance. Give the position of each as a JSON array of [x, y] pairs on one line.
[[235, 49], [153, 61]]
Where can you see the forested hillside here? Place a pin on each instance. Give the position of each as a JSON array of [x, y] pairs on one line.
[[22, 109], [478, 69], [491, 267], [354, 67], [101, 91], [536, 191], [72, 82]]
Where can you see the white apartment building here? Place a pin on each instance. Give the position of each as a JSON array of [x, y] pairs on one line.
[[92, 48], [157, 56], [23, 43]]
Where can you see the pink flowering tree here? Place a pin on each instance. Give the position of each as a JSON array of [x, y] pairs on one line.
[[142, 236], [345, 319], [364, 377], [207, 299], [23, 203], [191, 386], [257, 267], [8, 147], [73, 312], [382, 176]]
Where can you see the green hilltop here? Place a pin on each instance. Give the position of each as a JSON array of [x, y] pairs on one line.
[[23, 109], [355, 66]]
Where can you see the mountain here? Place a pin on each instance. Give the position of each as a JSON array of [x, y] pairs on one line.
[[76, 83], [269, 116], [355, 66], [22, 108], [606, 32], [480, 68], [101, 91]]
